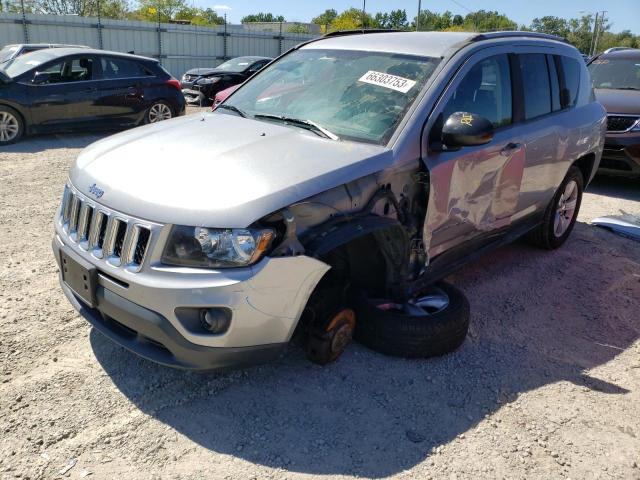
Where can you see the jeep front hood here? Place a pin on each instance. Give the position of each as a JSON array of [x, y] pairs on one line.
[[217, 170]]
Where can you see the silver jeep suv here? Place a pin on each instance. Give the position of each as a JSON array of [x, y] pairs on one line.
[[328, 195]]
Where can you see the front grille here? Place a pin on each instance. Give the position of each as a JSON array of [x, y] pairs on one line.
[[620, 123], [118, 239]]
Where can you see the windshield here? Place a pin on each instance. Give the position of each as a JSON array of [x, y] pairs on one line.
[[354, 94], [24, 63], [620, 73], [236, 65], [7, 51]]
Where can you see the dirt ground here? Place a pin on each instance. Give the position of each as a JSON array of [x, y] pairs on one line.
[[547, 384]]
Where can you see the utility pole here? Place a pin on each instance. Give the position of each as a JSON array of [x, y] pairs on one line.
[[593, 34], [418, 17], [599, 31], [364, 12]]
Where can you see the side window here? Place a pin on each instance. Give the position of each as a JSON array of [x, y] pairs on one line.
[[571, 71], [76, 70], [555, 82], [485, 90], [120, 68], [81, 69], [255, 67], [535, 82]]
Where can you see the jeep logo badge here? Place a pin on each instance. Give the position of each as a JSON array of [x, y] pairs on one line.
[[96, 191]]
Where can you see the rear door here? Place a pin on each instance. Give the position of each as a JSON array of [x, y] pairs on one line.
[[545, 136], [69, 97], [120, 90], [475, 190]]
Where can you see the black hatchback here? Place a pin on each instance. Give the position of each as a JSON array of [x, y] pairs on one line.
[[76, 88]]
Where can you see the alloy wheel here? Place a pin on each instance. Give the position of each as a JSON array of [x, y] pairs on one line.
[[566, 208], [159, 112], [430, 302], [9, 127]]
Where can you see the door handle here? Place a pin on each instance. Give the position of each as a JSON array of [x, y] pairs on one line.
[[510, 148], [90, 89]]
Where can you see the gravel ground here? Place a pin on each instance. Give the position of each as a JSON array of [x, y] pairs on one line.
[[547, 384]]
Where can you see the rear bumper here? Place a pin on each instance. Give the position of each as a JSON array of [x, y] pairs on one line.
[[150, 335], [621, 155]]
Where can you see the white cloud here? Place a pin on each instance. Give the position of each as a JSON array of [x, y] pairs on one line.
[[221, 7]]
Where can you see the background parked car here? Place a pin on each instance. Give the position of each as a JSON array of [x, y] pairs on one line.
[[200, 85], [12, 51], [222, 96], [616, 81], [69, 88]]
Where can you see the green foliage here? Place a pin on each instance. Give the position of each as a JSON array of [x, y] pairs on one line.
[[262, 17], [394, 20], [488, 21], [551, 25], [325, 19], [298, 28], [351, 19]]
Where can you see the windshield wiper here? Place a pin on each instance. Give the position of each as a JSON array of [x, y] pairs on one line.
[[232, 108], [298, 122]]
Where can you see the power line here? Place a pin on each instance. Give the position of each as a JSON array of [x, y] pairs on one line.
[[462, 6]]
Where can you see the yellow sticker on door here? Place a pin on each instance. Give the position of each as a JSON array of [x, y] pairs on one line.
[[386, 80]]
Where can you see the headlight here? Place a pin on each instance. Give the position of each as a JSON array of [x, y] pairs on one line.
[[208, 81], [216, 247]]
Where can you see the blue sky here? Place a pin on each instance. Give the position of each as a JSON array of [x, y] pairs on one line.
[[623, 14]]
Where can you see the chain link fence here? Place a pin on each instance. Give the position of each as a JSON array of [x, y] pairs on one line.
[[178, 47]]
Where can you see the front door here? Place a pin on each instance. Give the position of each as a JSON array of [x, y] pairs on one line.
[[474, 190], [68, 98]]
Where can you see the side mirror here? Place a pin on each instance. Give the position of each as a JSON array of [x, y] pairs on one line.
[[464, 129], [41, 77]]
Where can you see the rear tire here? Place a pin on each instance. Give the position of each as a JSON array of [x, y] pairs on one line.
[[561, 214], [11, 125], [158, 112], [405, 332]]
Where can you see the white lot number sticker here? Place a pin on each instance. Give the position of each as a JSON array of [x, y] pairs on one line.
[[388, 81]]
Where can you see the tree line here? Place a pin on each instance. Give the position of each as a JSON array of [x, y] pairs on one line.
[[578, 31]]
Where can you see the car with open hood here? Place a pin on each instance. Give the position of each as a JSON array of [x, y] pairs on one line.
[[200, 85], [616, 82], [328, 196]]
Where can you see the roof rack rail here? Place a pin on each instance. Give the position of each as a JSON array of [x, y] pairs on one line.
[[517, 33], [340, 33]]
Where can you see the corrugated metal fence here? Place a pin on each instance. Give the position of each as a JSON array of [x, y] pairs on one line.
[[179, 47]]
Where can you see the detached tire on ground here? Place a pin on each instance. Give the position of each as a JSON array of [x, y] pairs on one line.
[[410, 330]]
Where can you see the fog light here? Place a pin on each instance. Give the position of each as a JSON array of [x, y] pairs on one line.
[[215, 320]]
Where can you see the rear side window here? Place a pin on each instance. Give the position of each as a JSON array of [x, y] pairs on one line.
[[571, 71], [121, 68], [485, 90], [536, 85]]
